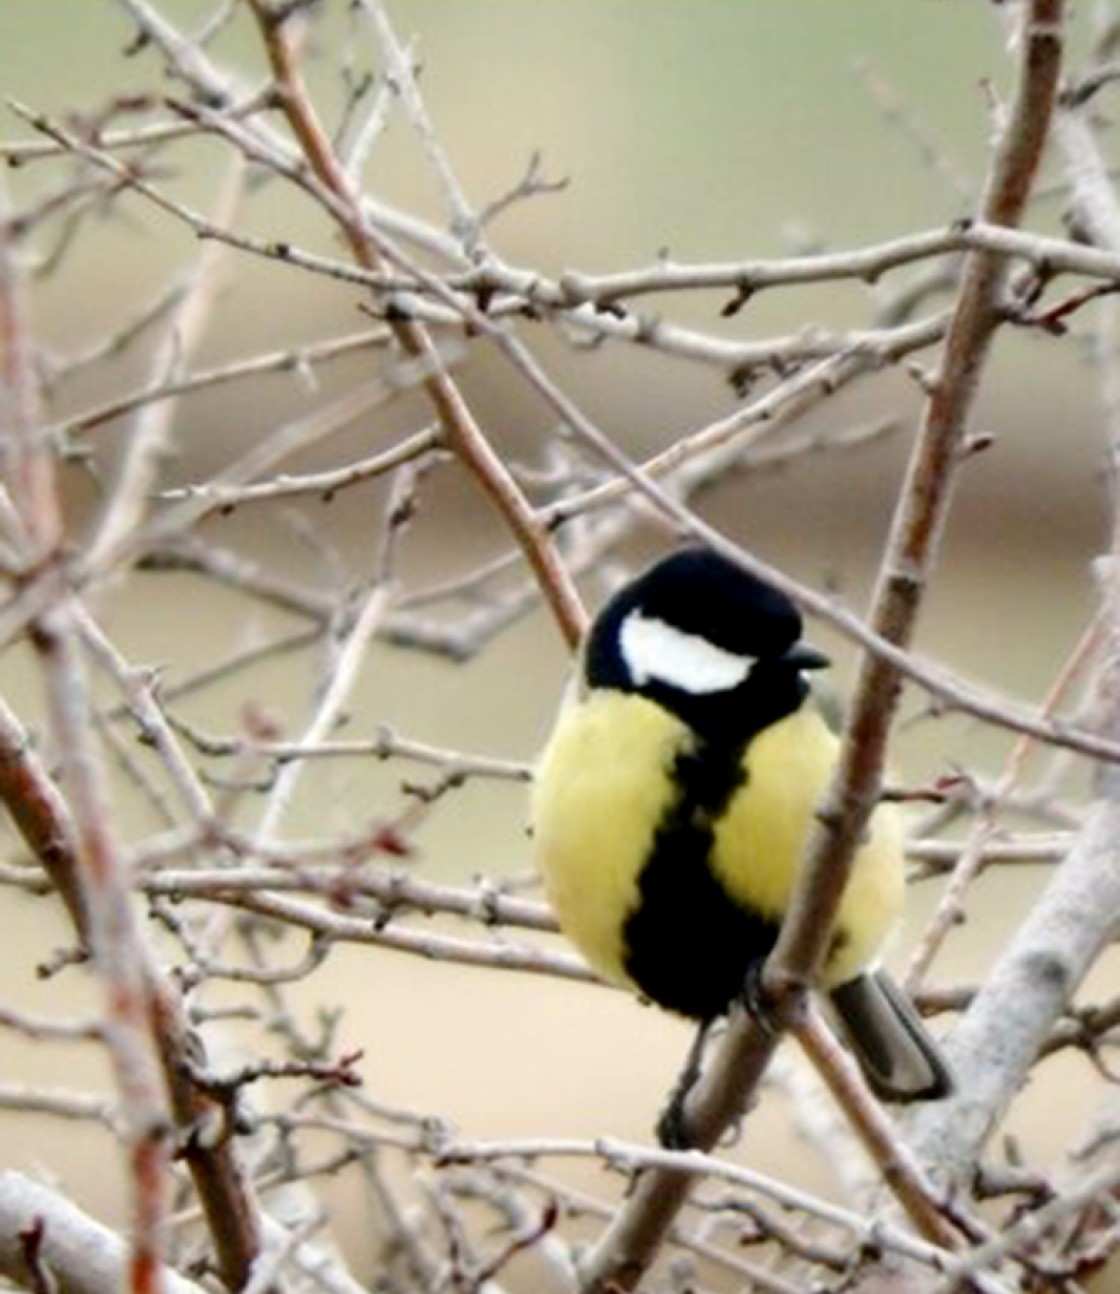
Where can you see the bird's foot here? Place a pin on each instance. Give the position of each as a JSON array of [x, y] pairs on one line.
[[673, 1130], [756, 1001]]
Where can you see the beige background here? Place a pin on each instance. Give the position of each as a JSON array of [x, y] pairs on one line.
[[717, 130]]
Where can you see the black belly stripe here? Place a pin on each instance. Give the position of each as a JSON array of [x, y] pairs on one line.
[[689, 946]]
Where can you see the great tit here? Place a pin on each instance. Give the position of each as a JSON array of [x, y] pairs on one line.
[[672, 802]]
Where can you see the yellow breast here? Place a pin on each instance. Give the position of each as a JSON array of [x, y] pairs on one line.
[[601, 786], [604, 783], [760, 841]]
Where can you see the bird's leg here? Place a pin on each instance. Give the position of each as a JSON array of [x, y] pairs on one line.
[[672, 1123]]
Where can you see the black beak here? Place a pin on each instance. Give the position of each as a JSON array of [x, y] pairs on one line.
[[802, 656]]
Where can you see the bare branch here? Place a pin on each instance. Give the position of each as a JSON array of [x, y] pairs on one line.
[[80, 1255]]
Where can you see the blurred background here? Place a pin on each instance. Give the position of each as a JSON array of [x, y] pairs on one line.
[[707, 131]]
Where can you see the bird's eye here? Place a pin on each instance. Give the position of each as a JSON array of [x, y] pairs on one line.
[[656, 650]]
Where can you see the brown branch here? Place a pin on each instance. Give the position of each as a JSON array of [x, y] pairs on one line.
[[1038, 972], [630, 1244], [116, 946], [924, 504], [43, 819], [370, 250], [94, 868], [930, 1214], [147, 1035]]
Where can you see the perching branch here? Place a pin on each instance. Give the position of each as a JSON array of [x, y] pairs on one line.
[[629, 1245]]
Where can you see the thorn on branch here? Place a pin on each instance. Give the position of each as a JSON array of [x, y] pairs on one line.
[[921, 376], [394, 312], [137, 45], [1053, 319], [60, 960], [743, 292], [259, 724], [388, 840], [31, 1245], [977, 443], [485, 290], [741, 379], [935, 793]]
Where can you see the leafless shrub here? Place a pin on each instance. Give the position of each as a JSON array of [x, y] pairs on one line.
[[216, 873]]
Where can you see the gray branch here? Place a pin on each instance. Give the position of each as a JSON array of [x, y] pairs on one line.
[[43, 1234], [998, 1040]]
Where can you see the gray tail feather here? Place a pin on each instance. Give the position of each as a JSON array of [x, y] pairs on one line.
[[898, 1056]]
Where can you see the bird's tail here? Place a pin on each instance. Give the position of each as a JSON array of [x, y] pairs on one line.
[[898, 1056]]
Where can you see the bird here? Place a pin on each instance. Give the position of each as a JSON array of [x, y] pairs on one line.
[[671, 805]]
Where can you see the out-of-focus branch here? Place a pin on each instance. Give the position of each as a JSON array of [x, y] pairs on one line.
[[1019, 1002], [43, 819], [46, 1242], [29, 480], [695, 1164], [113, 936], [895, 1160], [1021, 998], [94, 869], [951, 906], [149, 441]]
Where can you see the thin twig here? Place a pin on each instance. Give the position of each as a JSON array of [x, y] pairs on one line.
[[371, 250]]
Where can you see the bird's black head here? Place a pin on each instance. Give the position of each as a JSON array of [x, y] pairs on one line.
[[701, 637]]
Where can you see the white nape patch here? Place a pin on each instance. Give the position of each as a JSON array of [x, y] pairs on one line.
[[653, 649]]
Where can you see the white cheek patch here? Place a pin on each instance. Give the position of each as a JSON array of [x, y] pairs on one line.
[[653, 649]]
